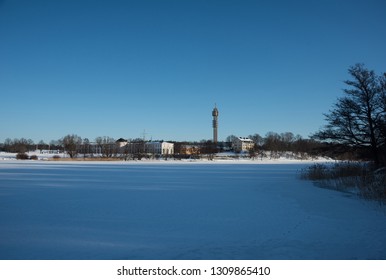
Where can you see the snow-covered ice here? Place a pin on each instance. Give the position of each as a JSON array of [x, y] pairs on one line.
[[120, 210]]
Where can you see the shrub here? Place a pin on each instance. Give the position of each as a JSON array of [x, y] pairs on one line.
[[56, 157], [315, 172], [376, 187], [33, 157], [357, 178], [21, 156]]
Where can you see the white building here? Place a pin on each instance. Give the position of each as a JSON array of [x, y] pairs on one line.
[[159, 148], [121, 142], [242, 144]]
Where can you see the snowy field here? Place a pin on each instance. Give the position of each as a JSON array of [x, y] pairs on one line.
[[121, 210]]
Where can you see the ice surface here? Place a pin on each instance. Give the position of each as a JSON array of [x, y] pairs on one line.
[[56, 210]]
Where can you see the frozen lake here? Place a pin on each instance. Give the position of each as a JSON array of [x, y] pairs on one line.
[[51, 210]]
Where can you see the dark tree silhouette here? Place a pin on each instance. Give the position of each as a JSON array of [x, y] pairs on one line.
[[356, 119]]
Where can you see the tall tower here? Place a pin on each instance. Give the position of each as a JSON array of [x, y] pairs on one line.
[[215, 124]]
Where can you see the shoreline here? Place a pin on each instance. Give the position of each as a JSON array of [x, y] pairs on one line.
[[169, 161]]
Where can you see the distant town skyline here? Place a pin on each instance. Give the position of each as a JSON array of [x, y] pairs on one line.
[[117, 68]]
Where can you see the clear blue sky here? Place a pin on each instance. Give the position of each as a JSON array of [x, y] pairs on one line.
[[117, 68]]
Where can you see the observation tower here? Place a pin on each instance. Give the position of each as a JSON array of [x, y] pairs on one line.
[[215, 124]]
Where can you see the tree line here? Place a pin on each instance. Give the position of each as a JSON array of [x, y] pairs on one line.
[[274, 143], [72, 144]]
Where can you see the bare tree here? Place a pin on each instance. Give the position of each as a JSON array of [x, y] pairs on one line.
[[21, 145], [71, 144], [287, 138], [107, 146], [382, 82], [230, 138], [208, 148], [7, 146], [257, 139], [272, 143], [356, 119], [42, 145], [86, 147], [229, 141], [55, 145]]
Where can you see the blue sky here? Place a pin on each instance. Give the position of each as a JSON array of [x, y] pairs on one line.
[[117, 68]]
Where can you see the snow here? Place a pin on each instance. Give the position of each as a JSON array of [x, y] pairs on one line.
[[180, 210], [41, 155]]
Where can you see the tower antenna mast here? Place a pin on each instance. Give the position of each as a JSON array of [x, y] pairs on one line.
[[215, 123], [144, 135]]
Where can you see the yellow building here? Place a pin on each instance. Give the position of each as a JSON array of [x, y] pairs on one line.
[[242, 144]]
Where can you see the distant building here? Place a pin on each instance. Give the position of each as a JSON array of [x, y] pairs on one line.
[[242, 144], [141, 147], [121, 142], [159, 148]]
